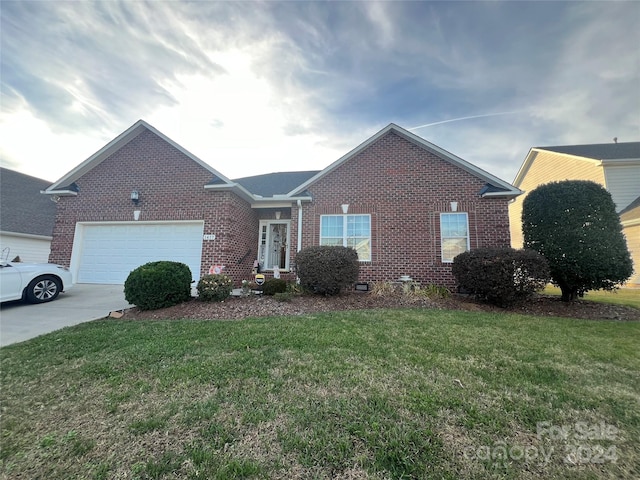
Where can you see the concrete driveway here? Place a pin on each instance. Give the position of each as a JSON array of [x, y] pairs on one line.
[[84, 302]]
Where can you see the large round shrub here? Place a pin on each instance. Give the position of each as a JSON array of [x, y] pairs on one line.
[[214, 288], [501, 276], [574, 224], [327, 269], [158, 284]]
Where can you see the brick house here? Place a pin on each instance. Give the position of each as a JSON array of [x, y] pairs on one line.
[[407, 207], [615, 166]]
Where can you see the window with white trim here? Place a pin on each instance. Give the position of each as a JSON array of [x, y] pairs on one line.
[[348, 231], [454, 234]]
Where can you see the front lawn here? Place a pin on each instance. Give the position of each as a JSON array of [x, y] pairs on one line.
[[413, 393], [629, 297]]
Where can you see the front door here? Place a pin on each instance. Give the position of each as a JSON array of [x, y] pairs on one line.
[[273, 249]]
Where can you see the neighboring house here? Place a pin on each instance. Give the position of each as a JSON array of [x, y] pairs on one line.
[[407, 206], [616, 166], [26, 217]]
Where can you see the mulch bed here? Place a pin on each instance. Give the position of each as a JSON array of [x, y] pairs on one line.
[[236, 308]]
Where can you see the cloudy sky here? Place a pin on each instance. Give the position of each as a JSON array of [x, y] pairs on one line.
[[257, 87]]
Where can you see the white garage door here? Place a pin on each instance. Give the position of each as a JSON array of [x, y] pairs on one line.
[[107, 253]]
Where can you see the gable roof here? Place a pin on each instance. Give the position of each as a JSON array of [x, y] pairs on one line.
[[272, 184], [22, 208], [64, 186], [494, 186], [601, 153]]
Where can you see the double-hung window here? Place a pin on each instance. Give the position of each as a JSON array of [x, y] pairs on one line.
[[454, 233], [348, 231]]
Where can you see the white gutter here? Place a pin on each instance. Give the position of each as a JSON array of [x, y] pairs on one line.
[[299, 225]]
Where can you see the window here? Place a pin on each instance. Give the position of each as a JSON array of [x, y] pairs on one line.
[[454, 232], [347, 231], [273, 247]]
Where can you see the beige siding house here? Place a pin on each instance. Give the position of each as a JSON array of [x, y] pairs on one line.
[[616, 166]]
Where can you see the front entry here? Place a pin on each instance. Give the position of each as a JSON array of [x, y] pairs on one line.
[[273, 247]]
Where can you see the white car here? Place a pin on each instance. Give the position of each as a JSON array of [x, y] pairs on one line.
[[33, 282]]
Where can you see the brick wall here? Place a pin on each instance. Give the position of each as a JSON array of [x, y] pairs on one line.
[[404, 188], [171, 187]]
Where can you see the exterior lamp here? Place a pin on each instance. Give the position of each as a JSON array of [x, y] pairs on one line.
[[135, 197]]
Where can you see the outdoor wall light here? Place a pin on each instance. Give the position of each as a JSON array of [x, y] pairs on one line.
[[135, 197]]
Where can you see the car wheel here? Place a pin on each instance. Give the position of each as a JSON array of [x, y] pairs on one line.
[[43, 289]]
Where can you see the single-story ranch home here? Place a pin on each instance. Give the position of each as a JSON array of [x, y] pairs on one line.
[[407, 206]]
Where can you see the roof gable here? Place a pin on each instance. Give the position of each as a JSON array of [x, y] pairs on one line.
[[600, 153], [22, 208], [495, 186], [64, 185]]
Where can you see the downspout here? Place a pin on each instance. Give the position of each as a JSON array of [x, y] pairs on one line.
[[299, 225]]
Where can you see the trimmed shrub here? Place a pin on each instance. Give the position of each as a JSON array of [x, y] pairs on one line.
[[325, 270], [501, 276], [271, 286], [575, 226], [158, 285], [214, 288]]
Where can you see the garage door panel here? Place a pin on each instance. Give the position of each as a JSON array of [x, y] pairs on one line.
[[108, 253]]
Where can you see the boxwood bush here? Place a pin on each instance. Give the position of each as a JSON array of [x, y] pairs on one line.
[[271, 286], [327, 269], [216, 287], [501, 276], [158, 284]]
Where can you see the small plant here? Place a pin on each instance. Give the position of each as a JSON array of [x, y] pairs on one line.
[[283, 296], [326, 270], [272, 286], [383, 289], [434, 291], [295, 288], [214, 287], [246, 287], [158, 285]]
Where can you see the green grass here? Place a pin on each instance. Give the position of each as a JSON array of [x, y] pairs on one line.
[[629, 297], [397, 394]]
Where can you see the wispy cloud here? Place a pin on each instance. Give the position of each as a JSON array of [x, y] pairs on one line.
[[264, 86]]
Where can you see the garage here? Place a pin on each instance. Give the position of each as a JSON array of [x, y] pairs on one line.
[[106, 253]]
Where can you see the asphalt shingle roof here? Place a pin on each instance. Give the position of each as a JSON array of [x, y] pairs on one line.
[[600, 151], [23, 209], [271, 184]]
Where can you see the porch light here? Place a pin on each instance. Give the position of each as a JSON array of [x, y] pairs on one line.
[[135, 197]]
